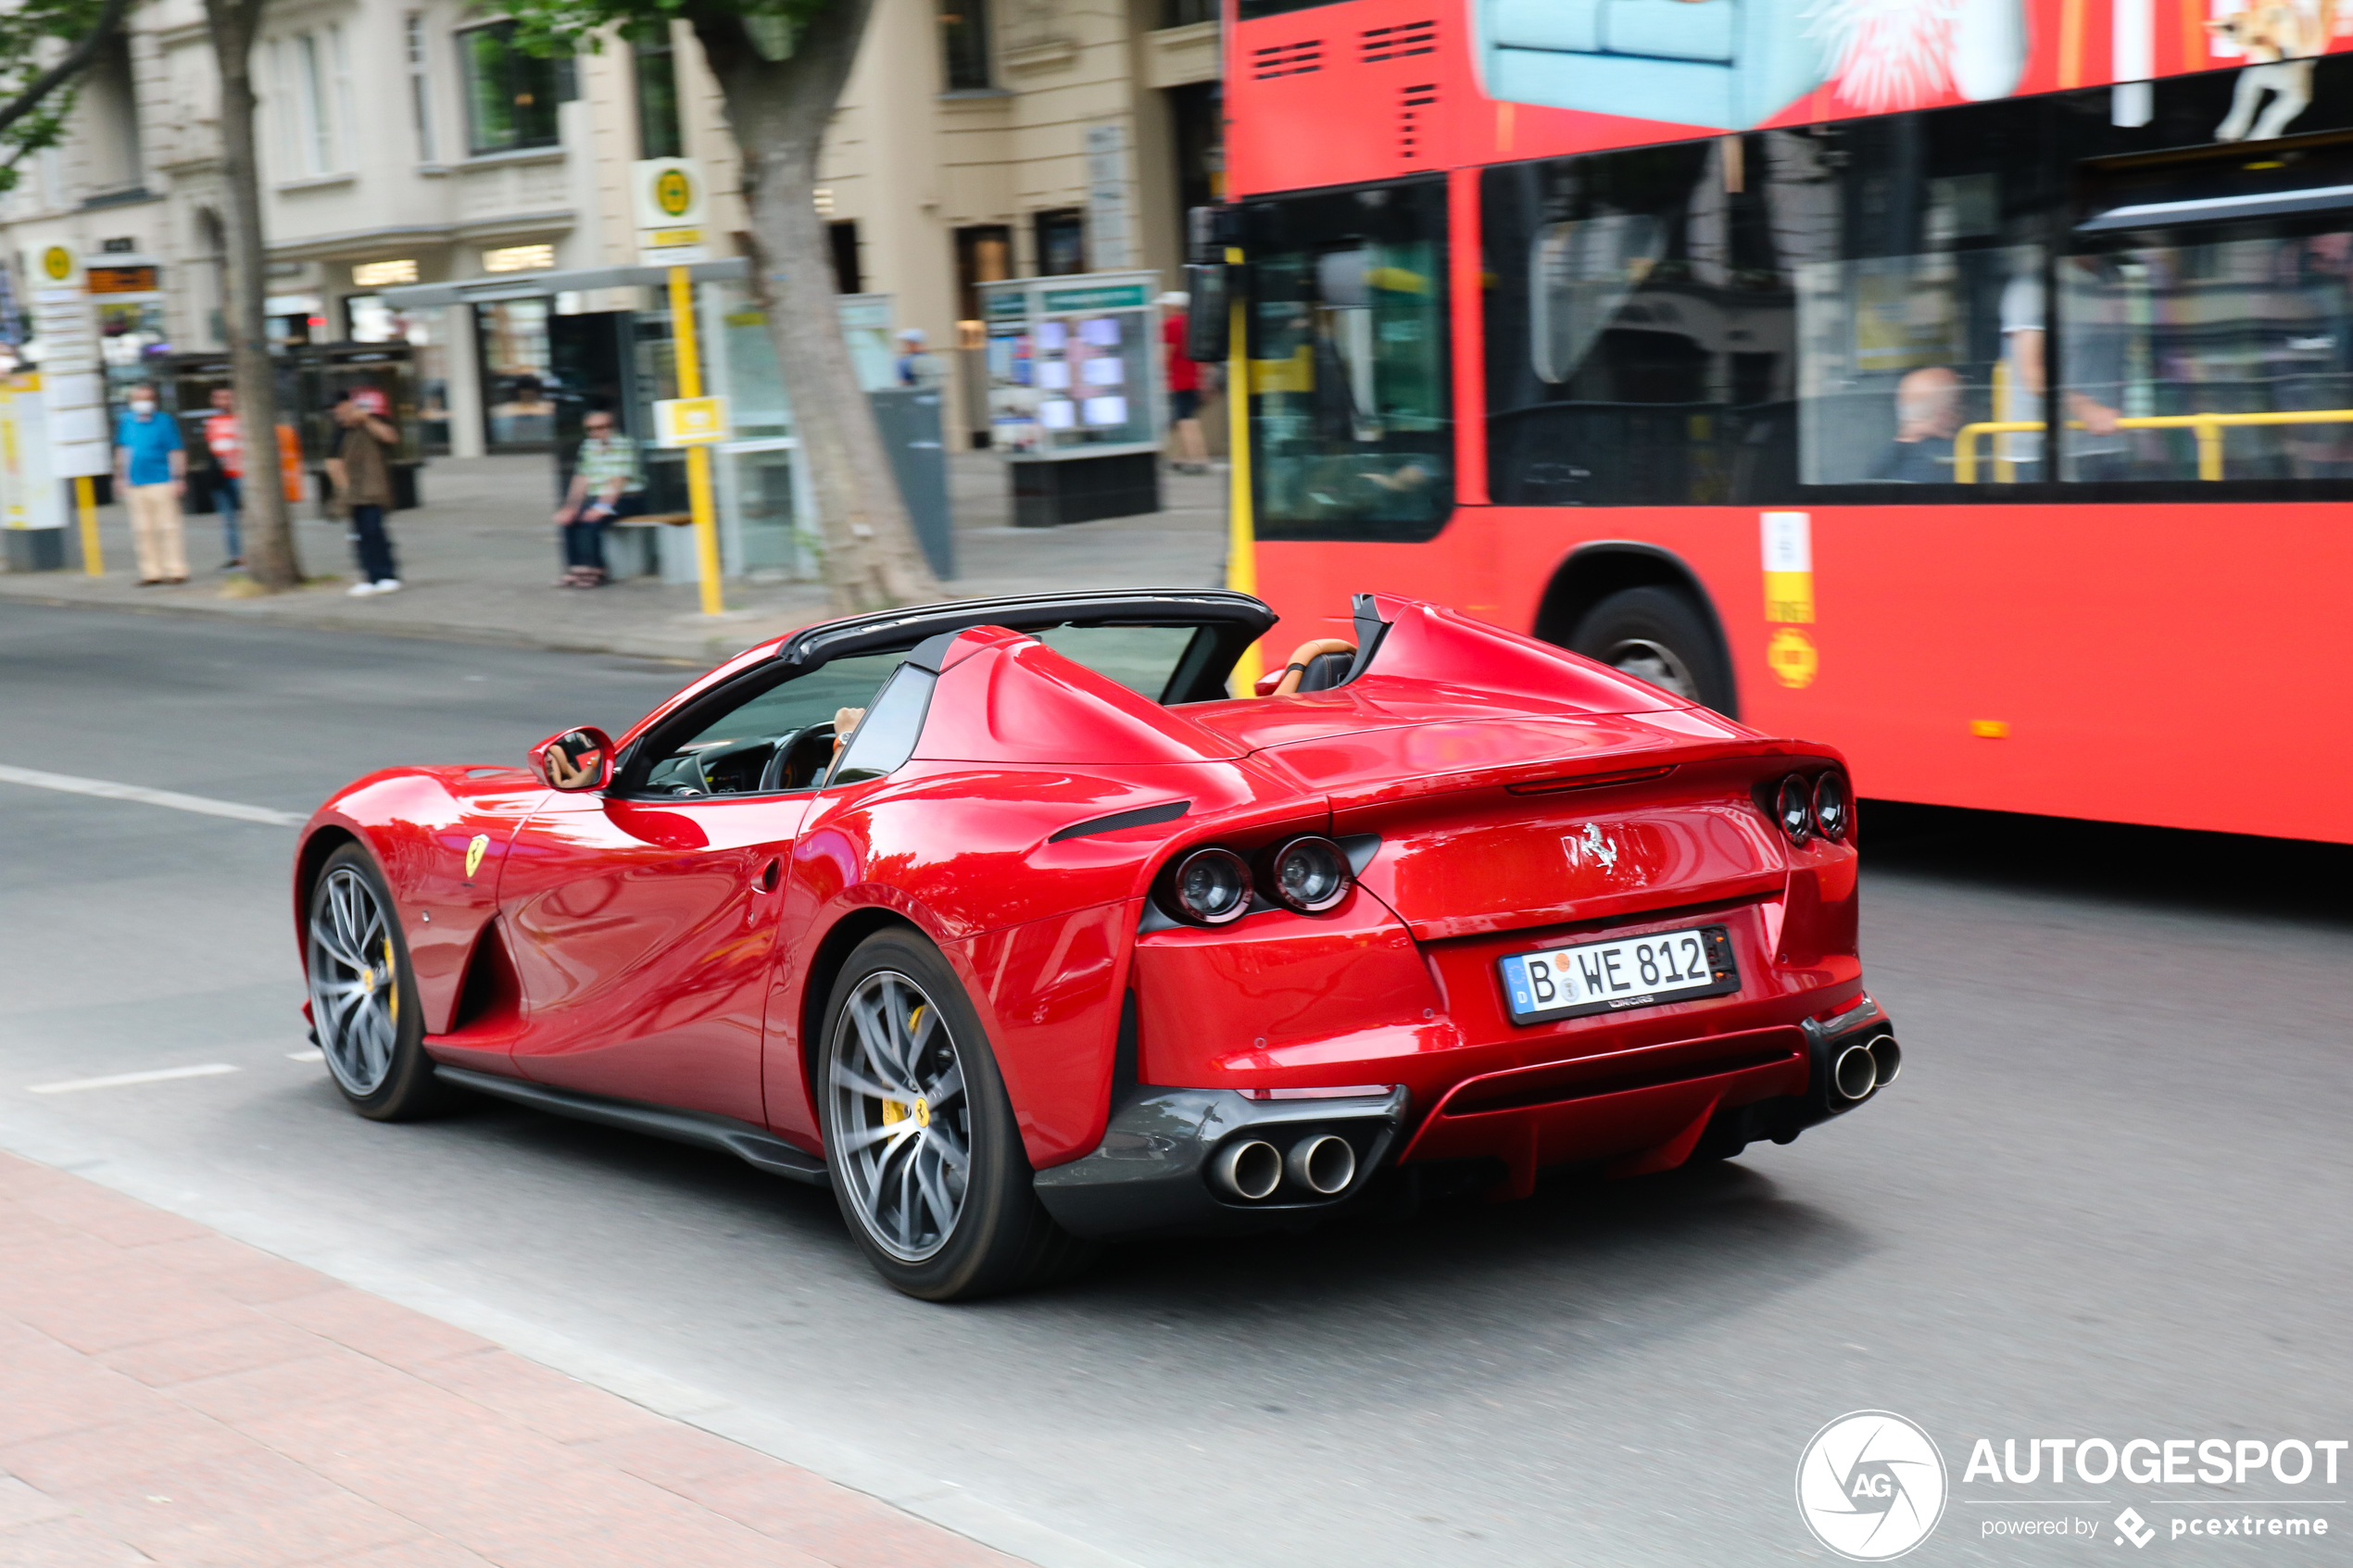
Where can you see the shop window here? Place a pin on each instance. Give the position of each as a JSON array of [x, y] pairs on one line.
[[964, 44], [1061, 241], [655, 63], [512, 97]]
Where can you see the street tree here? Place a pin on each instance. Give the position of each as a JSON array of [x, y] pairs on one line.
[[780, 64], [269, 540], [36, 81]]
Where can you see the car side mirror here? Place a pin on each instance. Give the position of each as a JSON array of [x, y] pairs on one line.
[[576, 759]]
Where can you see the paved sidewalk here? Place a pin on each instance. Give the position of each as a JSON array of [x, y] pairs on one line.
[[478, 563], [170, 1396]]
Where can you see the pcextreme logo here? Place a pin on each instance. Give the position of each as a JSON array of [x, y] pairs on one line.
[[1871, 1486]]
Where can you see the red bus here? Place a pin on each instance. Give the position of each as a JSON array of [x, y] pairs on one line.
[[1966, 383]]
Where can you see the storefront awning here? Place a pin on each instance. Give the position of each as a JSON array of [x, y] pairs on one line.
[[538, 285]]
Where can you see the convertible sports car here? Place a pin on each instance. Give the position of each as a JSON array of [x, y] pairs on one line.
[[1004, 920]]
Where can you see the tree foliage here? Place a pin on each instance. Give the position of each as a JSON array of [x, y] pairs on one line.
[[36, 81]]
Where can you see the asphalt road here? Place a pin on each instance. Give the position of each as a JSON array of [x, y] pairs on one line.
[[2108, 1198]]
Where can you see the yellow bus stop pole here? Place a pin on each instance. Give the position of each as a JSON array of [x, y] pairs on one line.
[[1241, 538], [85, 506], [682, 335]]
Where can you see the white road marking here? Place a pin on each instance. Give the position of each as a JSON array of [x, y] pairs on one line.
[[119, 1080], [107, 789], [310, 1053]]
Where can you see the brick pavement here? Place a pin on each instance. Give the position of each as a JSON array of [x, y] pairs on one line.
[[168, 1394]]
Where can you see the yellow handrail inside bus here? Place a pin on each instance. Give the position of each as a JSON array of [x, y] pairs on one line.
[[2210, 428]]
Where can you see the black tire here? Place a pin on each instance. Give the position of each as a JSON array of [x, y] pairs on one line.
[[999, 1238], [367, 1021], [1659, 635]]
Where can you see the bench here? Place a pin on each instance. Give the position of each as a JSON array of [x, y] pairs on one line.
[[643, 554]]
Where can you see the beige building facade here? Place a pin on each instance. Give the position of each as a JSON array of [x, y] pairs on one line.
[[409, 142]]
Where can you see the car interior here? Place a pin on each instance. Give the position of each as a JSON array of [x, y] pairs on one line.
[[777, 730]]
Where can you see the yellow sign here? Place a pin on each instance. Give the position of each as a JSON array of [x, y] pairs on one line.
[[673, 192], [474, 852], [663, 239], [1791, 657], [690, 421], [1789, 597], [58, 262]]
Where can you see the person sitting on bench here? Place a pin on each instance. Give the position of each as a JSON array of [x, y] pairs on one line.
[[605, 486]]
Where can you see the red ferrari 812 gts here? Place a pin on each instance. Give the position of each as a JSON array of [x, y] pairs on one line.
[[1006, 921]]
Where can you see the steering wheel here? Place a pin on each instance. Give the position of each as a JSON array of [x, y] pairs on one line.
[[781, 769]]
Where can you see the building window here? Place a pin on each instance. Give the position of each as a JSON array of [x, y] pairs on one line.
[[657, 70], [419, 85], [510, 96], [1061, 241], [843, 237], [964, 44], [984, 254], [315, 135]]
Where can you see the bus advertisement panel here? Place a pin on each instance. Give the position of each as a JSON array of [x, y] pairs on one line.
[[1968, 385]]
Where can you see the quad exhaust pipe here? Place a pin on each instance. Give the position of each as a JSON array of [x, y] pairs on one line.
[[1252, 1168], [1324, 1164], [1865, 1066]]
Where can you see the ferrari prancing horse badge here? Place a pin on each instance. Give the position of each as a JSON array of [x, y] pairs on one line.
[[474, 852]]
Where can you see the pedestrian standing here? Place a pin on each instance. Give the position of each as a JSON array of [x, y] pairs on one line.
[[605, 486], [151, 470], [362, 473], [228, 472], [1189, 452], [911, 366]]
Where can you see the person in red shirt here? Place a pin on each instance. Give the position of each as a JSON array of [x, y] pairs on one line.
[[228, 472], [1188, 452]]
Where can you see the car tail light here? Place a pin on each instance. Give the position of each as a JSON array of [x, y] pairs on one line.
[[1833, 810], [1794, 808], [1308, 874], [1208, 887]]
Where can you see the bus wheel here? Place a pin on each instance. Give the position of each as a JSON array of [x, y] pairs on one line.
[[1655, 635]]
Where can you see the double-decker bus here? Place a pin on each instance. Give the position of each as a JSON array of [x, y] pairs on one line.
[[1966, 383]]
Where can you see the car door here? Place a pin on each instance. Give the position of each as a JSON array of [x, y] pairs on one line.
[[643, 918]]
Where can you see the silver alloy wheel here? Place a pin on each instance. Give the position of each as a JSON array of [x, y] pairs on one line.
[[355, 986], [900, 1130], [1655, 662]]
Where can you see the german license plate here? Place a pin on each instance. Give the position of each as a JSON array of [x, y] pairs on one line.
[[1629, 971]]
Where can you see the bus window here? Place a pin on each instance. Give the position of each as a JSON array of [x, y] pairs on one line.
[[1745, 319], [2231, 327], [1899, 355], [1348, 408]]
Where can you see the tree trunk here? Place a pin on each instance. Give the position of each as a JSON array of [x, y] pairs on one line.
[[268, 525], [778, 110]]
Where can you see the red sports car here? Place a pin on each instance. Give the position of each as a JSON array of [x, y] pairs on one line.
[[1006, 920]]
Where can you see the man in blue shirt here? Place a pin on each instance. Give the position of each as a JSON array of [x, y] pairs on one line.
[[151, 470]]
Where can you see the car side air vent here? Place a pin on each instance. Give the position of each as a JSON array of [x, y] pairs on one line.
[[1286, 60], [1395, 42], [1413, 105]]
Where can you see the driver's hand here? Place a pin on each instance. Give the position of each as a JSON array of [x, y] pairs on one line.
[[845, 721]]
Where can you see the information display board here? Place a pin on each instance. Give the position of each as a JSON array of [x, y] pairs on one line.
[[1073, 366]]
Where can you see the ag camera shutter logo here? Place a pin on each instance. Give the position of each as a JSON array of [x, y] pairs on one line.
[[1871, 1486]]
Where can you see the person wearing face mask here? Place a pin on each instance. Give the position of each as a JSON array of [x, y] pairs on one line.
[[151, 470]]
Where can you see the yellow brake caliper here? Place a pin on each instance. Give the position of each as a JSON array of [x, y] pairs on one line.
[[392, 979], [895, 1112]]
